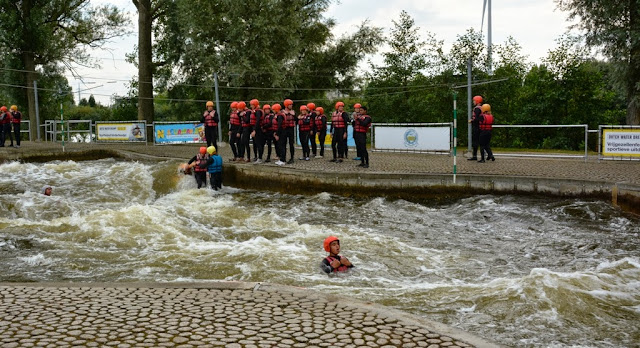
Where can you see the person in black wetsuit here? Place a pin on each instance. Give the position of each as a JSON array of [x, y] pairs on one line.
[[200, 171], [334, 262], [210, 120], [475, 127], [361, 125]]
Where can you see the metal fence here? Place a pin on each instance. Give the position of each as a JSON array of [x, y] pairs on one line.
[[66, 129], [586, 139]]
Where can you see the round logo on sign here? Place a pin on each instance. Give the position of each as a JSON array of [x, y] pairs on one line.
[[411, 138]]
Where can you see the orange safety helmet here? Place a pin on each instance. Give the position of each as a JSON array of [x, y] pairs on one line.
[[311, 106], [485, 107], [266, 106], [242, 105], [339, 104], [328, 241], [209, 103], [477, 99], [254, 102], [320, 110], [302, 107], [288, 102], [276, 107], [234, 105], [357, 106], [203, 150], [3, 108]]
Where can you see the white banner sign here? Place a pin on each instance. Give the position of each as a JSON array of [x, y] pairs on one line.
[[412, 138], [621, 142], [120, 131]]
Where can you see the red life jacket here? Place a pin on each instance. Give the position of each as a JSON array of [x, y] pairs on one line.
[[304, 123], [200, 159], [252, 119], [274, 122], [235, 119], [266, 122], [6, 118], [17, 117], [359, 128], [487, 122], [337, 121], [246, 121], [289, 119], [320, 125], [341, 268], [209, 119]]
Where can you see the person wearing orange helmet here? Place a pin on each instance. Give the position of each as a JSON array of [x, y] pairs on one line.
[[277, 126], [334, 262], [198, 164], [360, 128], [354, 115], [312, 133], [289, 130], [266, 123], [210, 120], [339, 122], [486, 125], [245, 120], [16, 118], [235, 131], [304, 128], [256, 132], [5, 126], [321, 129], [475, 130]]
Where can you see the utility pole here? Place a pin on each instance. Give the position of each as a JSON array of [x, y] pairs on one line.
[[469, 72], [35, 91], [215, 79]]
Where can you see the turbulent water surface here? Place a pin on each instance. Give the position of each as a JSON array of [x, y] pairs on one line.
[[524, 271]]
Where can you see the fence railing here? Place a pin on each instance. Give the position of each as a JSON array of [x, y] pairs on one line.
[[586, 139], [53, 128]]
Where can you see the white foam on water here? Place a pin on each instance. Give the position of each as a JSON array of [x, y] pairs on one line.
[[35, 260]]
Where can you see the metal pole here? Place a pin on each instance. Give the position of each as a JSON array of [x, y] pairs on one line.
[[215, 78], [489, 37], [586, 140], [469, 140], [61, 118], [35, 91], [455, 135]]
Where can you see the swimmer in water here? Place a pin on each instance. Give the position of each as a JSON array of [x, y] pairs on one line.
[[46, 190], [334, 262]]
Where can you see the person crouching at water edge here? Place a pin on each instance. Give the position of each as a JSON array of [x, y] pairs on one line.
[[214, 167], [334, 262], [199, 168]]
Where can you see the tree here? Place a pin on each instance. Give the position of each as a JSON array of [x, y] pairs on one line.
[[45, 32], [92, 101], [614, 27]]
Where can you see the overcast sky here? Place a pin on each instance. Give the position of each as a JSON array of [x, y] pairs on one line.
[[535, 24]]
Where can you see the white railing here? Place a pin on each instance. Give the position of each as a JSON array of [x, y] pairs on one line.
[[586, 139]]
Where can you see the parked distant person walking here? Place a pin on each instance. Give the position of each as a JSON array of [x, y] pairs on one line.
[[486, 125]]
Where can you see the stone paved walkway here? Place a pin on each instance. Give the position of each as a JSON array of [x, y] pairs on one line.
[[384, 162], [207, 315]]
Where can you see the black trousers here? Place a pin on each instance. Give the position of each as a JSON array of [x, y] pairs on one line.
[[361, 146], [234, 142], [258, 145], [304, 141], [211, 134], [201, 178], [289, 135], [321, 138], [485, 143], [475, 140], [268, 140], [6, 134], [215, 179], [16, 131], [280, 145], [338, 143], [312, 140], [244, 142]]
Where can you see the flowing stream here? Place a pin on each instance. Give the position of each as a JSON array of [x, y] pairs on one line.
[[523, 271]]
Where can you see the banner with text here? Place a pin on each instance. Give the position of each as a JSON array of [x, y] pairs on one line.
[[412, 138], [621, 142], [119, 132], [178, 133]]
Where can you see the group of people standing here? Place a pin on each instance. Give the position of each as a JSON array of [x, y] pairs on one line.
[[481, 126], [274, 125], [10, 121]]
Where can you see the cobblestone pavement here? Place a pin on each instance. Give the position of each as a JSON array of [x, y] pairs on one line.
[[384, 162], [211, 315]]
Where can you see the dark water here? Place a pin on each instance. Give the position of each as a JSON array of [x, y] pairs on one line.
[[523, 271]]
